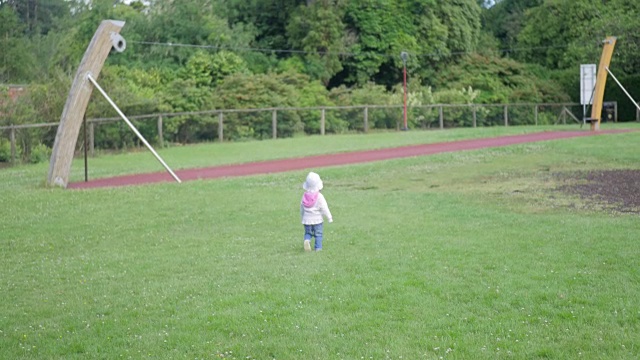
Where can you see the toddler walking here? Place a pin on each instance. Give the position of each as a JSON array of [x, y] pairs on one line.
[[312, 209]]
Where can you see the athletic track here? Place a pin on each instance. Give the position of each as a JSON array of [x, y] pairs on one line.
[[314, 162]]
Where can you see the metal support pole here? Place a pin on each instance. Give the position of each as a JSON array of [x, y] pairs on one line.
[[322, 120], [535, 114], [441, 117], [404, 55], [86, 163], [404, 112], [133, 128], [622, 87]]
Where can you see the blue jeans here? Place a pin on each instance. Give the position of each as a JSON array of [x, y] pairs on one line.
[[314, 231]]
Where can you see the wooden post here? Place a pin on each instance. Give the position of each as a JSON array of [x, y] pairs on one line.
[[322, 120], [160, 134], [220, 126], [601, 80], [12, 137], [441, 117], [506, 115], [106, 37], [535, 114], [274, 124], [366, 119], [475, 116]]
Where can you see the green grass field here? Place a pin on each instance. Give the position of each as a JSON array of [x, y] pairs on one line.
[[469, 255]]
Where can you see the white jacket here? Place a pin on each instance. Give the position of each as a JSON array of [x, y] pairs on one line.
[[312, 207]]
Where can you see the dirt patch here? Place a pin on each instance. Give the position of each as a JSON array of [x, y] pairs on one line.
[[617, 190]]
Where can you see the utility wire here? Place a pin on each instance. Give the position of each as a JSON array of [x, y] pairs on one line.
[[343, 54]]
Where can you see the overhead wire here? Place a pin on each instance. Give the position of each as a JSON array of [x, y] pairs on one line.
[[338, 53]]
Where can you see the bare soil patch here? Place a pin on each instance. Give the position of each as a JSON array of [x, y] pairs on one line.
[[617, 190]]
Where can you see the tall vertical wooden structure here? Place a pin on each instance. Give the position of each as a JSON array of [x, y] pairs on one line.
[[601, 81], [106, 37]]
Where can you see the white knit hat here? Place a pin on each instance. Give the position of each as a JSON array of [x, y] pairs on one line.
[[313, 182]]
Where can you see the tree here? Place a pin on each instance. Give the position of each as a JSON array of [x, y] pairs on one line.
[[16, 60], [500, 80], [317, 29], [37, 16], [269, 17], [551, 27], [506, 18]]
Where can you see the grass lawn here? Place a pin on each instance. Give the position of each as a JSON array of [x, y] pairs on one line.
[[468, 255]]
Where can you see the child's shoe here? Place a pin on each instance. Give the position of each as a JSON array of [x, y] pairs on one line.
[[319, 249], [307, 245]]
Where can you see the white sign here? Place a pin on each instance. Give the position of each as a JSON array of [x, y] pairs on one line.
[[587, 83]]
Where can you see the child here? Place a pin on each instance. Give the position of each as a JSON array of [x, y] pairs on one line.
[[312, 207]]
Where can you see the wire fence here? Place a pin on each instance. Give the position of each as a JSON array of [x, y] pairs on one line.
[[272, 123]]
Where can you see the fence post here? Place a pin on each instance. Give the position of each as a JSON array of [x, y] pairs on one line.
[[441, 117], [366, 119], [12, 136], [92, 141], [506, 115], [274, 123], [160, 135], [220, 126], [475, 116], [637, 114], [615, 111], [535, 114], [322, 122]]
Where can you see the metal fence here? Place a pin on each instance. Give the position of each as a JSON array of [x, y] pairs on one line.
[[276, 122]]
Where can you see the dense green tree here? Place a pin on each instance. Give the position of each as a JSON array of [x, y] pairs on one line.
[[38, 16], [16, 60], [462, 20], [500, 80], [428, 30], [269, 17], [318, 30], [210, 70], [505, 20], [551, 27]]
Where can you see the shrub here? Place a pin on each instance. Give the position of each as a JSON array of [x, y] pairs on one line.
[[40, 153], [5, 150]]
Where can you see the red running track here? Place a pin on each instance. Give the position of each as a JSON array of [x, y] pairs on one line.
[[313, 162]]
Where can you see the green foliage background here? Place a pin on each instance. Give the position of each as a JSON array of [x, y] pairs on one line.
[[195, 55]]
